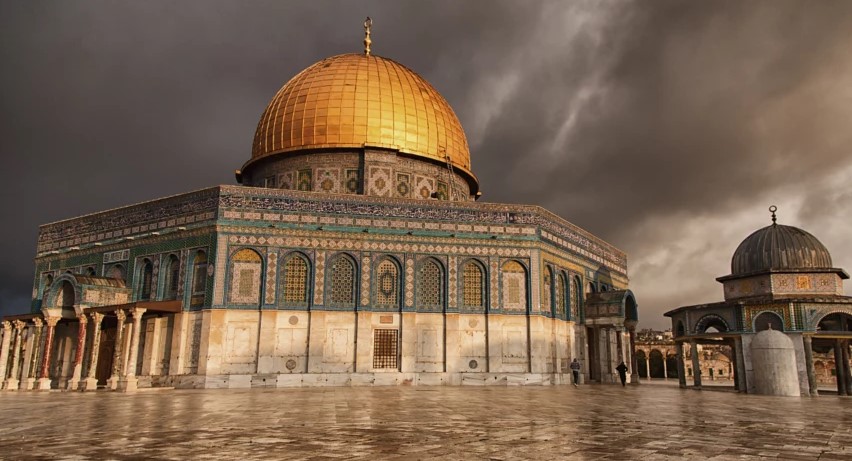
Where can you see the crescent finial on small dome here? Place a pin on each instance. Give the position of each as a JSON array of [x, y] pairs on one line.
[[773, 209]]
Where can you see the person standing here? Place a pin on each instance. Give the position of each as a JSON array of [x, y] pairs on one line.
[[622, 372], [575, 371]]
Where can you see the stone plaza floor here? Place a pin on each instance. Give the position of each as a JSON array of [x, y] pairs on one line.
[[556, 422]]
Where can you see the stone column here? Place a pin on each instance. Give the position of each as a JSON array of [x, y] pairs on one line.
[[44, 372], [31, 367], [634, 364], [839, 369], [681, 369], [121, 316], [696, 365], [809, 365], [4, 349], [742, 379], [14, 356], [648, 366], [665, 367], [128, 382], [847, 376], [74, 382], [91, 381]]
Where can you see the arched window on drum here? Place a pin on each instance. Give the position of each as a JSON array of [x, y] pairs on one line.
[[514, 286]]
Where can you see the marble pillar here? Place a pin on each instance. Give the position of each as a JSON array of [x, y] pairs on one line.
[[77, 372], [634, 363], [681, 369], [44, 372], [648, 366], [847, 375], [31, 368], [742, 383], [12, 381], [129, 382], [121, 316], [696, 365], [839, 369], [4, 349], [91, 381], [809, 365], [665, 367]]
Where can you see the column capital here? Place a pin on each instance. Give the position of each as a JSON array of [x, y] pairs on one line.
[[19, 325], [137, 312], [97, 317], [121, 315], [82, 319], [38, 322], [51, 321], [6, 325]]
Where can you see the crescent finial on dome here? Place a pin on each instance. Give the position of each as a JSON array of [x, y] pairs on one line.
[[773, 209]]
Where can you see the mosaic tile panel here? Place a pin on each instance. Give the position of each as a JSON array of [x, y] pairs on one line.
[[514, 287], [381, 182], [452, 299], [327, 180], [365, 280], [319, 278], [409, 282], [271, 277]]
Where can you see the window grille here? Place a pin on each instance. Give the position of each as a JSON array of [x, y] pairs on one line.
[[472, 285], [296, 281], [385, 347], [429, 285], [342, 282], [547, 302], [560, 295]]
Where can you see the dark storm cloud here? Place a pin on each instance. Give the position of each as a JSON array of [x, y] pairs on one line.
[[660, 126]]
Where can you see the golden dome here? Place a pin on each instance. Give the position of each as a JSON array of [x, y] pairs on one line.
[[355, 101]]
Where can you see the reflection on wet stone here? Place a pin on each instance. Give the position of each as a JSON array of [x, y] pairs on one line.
[[554, 422]]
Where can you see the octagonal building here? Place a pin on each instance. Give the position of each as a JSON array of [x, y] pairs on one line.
[[354, 252]]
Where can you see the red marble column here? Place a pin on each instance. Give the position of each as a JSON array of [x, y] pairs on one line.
[[78, 356], [44, 379]]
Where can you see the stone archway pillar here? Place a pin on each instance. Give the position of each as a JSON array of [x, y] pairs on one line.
[[14, 355], [696, 365], [129, 382], [43, 376], [739, 362], [4, 349], [681, 369], [91, 381], [665, 367], [74, 382], [634, 363], [809, 365]]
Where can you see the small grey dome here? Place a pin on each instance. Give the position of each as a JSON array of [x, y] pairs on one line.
[[771, 339], [778, 247]]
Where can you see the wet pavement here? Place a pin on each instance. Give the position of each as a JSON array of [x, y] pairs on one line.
[[591, 422]]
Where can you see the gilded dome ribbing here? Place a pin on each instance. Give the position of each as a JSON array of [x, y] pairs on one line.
[[355, 101]]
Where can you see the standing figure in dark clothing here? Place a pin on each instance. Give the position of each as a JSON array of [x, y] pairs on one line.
[[575, 370], [622, 373]]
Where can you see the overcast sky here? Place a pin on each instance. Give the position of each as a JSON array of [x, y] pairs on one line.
[[666, 128]]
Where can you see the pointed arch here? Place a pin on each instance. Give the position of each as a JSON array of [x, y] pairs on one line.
[[560, 297], [146, 277], [246, 272], [576, 298], [430, 290], [514, 286], [547, 304], [387, 292], [295, 288], [473, 286], [172, 277]]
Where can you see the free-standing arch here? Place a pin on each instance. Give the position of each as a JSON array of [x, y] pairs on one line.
[[835, 321], [656, 361]]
